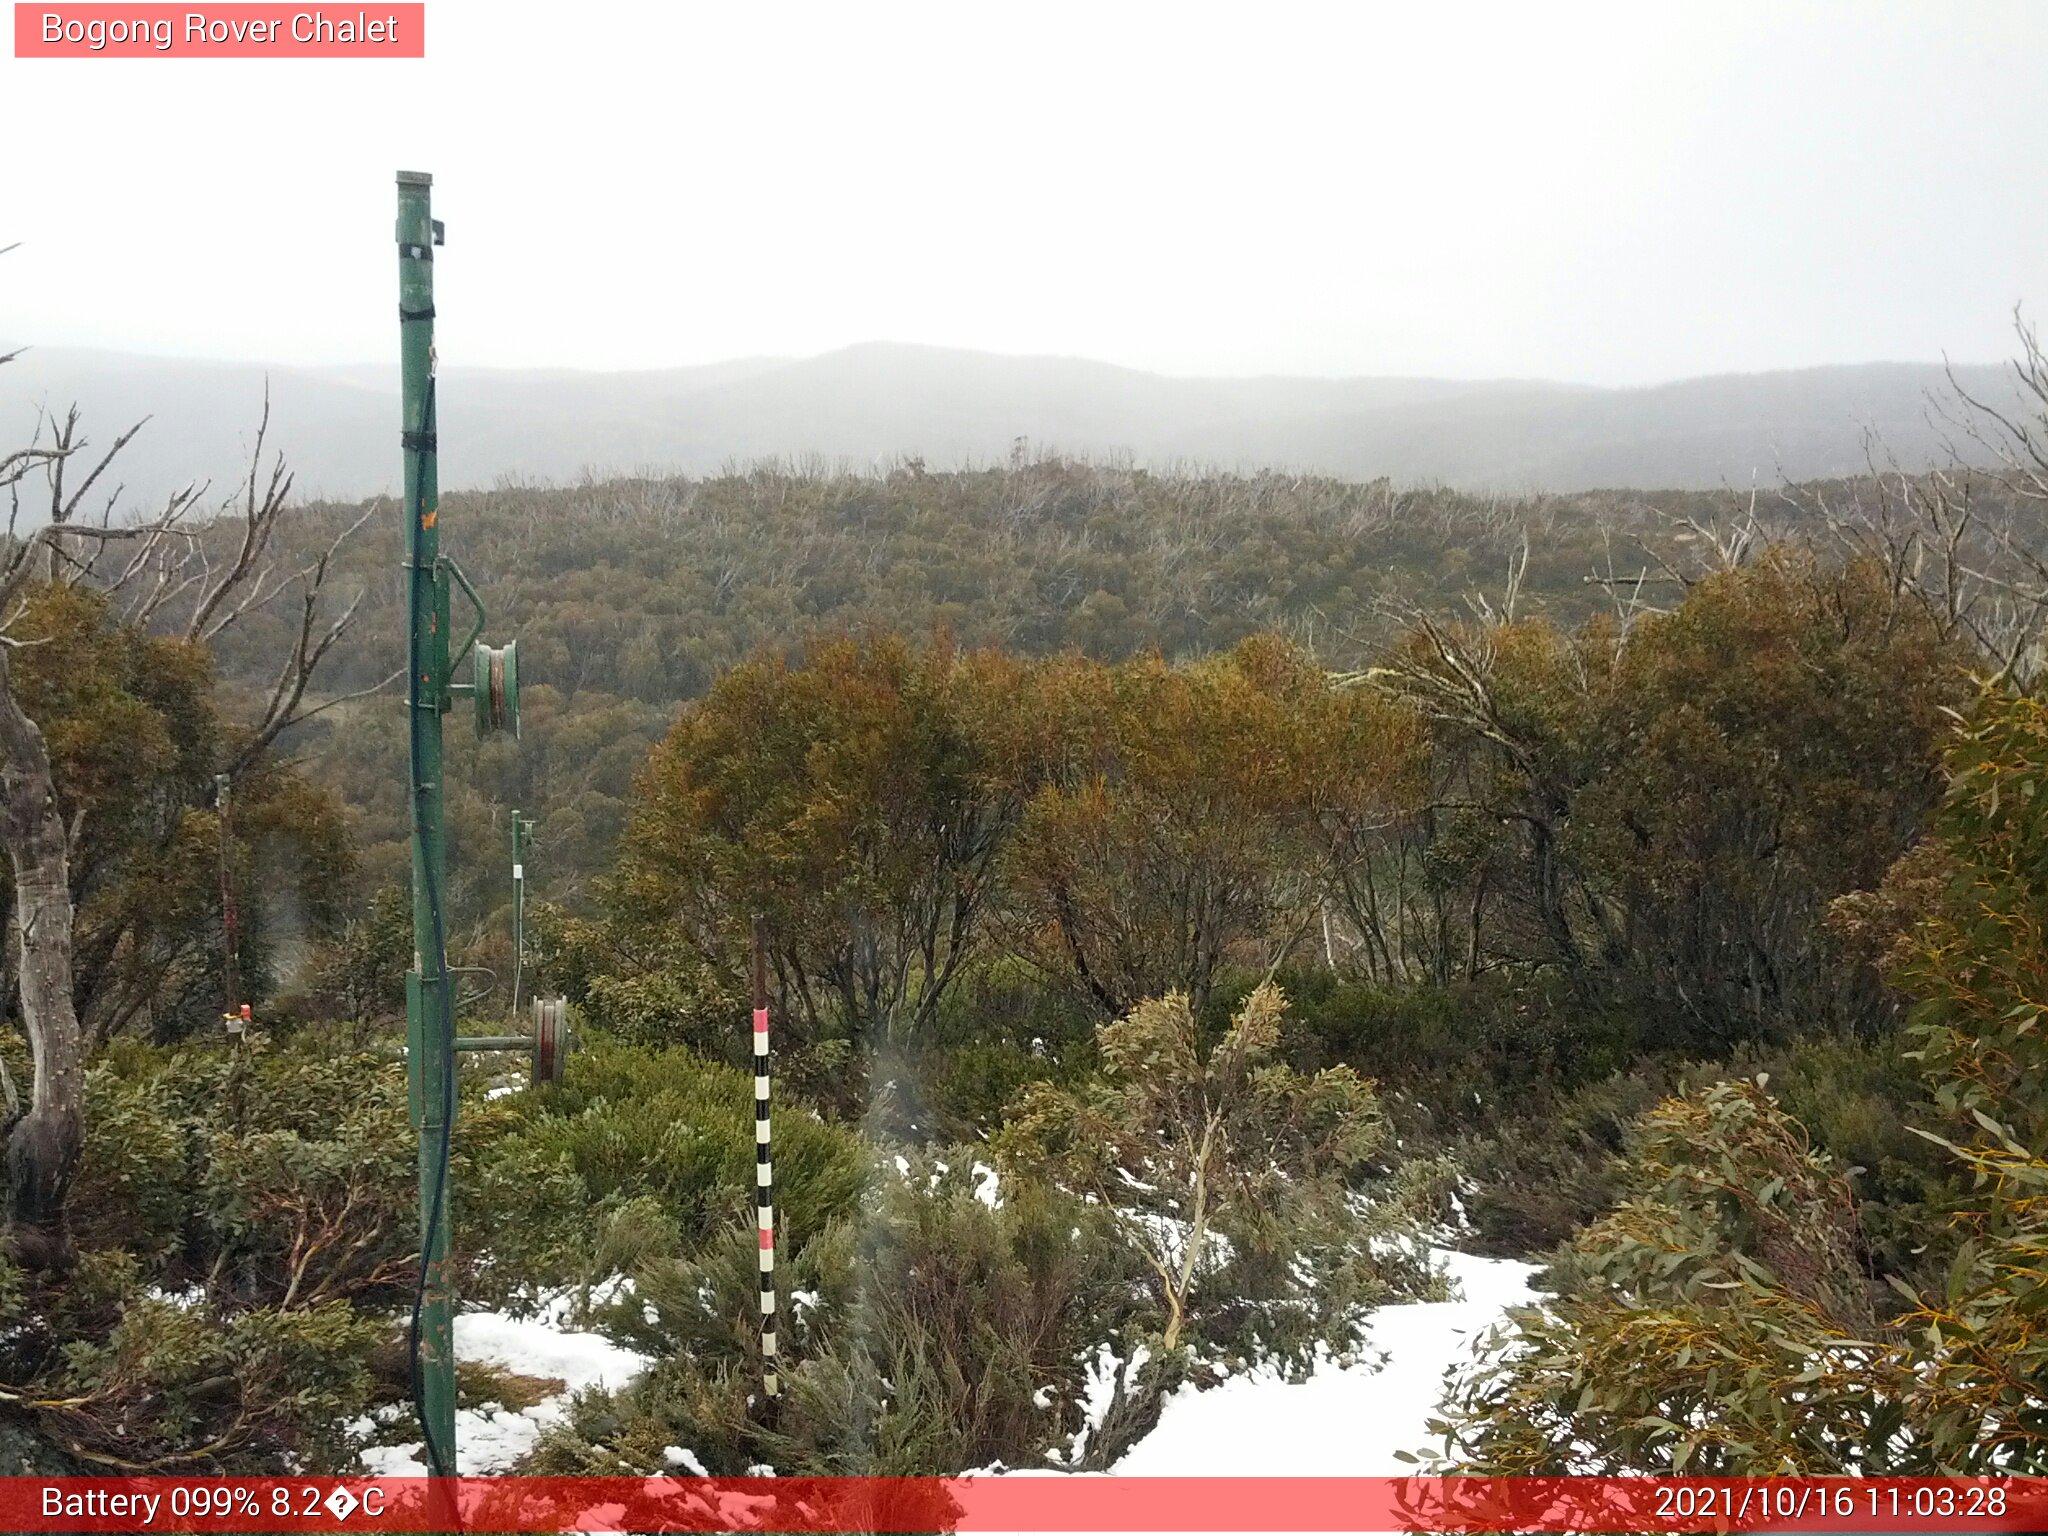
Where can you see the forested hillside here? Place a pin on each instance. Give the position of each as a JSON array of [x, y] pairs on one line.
[[632, 596]]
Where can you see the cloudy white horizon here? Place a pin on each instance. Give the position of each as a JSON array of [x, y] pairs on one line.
[[1603, 194]]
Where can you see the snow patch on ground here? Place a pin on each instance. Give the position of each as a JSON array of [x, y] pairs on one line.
[[533, 1347], [1098, 1395], [492, 1438], [1343, 1421]]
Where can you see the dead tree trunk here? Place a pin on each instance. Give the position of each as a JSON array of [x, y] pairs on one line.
[[43, 1147]]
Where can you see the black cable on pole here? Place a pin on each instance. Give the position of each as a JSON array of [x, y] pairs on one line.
[[440, 1461]]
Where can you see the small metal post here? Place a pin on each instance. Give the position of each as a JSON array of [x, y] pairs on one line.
[[764, 1172], [231, 960], [521, 827]]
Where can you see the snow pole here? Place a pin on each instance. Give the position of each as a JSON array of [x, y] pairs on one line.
[[764, 1171]]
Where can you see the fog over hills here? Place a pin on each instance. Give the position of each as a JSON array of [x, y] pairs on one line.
[[881, 401]]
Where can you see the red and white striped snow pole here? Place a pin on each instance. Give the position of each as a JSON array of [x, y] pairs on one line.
[[764, 1167]]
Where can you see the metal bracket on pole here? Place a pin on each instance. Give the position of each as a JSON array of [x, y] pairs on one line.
[[548, 1048], [494, 671]]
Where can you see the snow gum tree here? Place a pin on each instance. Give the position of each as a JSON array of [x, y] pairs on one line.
[[853, 800], [1721, 1320], [1186, 819], [158, 577]]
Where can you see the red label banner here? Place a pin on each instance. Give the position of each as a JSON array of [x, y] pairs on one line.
[[226, 31], [1029, 1503]]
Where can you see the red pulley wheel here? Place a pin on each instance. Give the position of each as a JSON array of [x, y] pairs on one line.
[[550, 1039]]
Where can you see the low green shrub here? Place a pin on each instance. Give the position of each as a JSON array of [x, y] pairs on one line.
[[1462, 1050], [1545, 1165], [1715, 1322], [1860, 1100], [139, 1168], [929, 1332], [246, 1220], [636, 1124]]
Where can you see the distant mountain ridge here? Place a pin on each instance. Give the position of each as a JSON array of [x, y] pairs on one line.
[[883, 401]]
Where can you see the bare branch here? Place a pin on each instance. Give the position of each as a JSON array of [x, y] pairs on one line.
[[62, 507], [262, 510]]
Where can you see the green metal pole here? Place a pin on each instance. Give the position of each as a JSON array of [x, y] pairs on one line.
[[430, 1036]]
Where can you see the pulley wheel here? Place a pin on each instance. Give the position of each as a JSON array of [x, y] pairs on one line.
[[551, 1041], [497, 688]]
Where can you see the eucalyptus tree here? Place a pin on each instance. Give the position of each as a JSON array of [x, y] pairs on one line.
[[178, 581]]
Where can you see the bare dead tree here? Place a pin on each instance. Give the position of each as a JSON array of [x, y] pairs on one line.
[[1493, 613], [1626, 593], [1965, 542], [1712, 547], [2016, 438], [1449, 673]]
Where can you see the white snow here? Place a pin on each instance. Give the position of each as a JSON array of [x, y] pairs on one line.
[[605, 1292], [1099, 1394], [1342, 1421], [1168, 1236], [492, 1438], [1461, 1219], [679, 1456], [987, 1187], [535, 1347]]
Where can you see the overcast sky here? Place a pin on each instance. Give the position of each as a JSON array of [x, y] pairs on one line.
[[1610, 194]]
